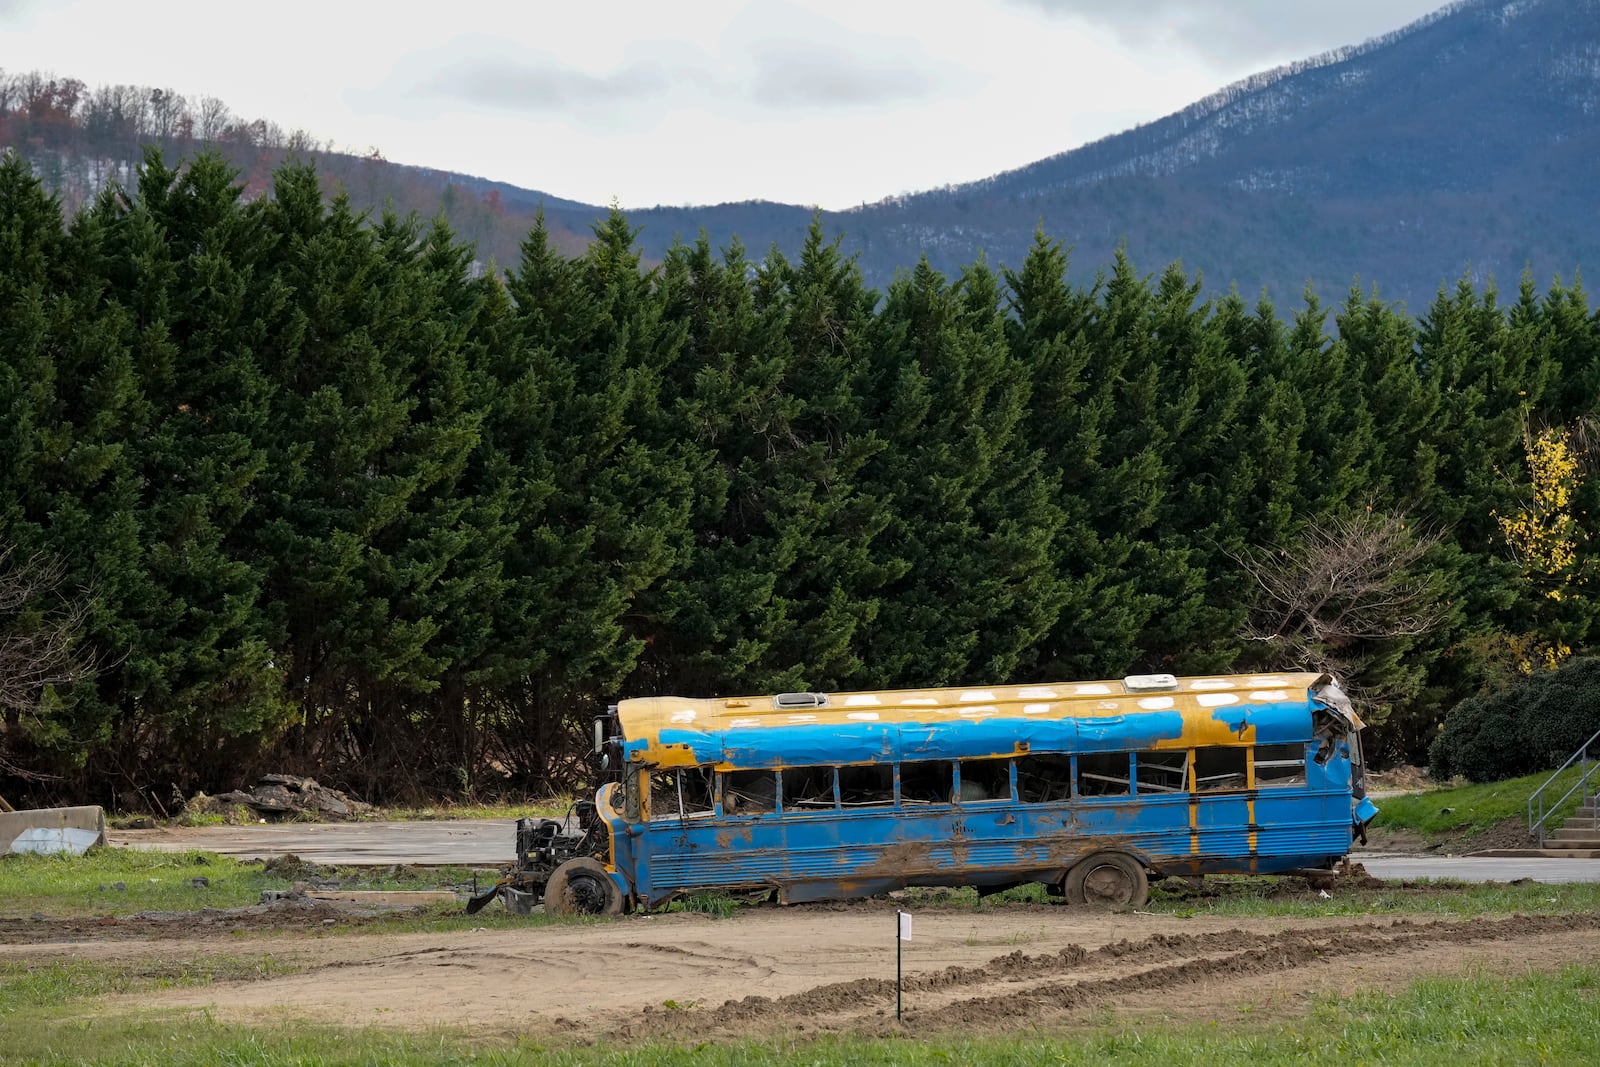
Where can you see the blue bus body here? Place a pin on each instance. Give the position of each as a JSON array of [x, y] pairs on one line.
[[830, 796]]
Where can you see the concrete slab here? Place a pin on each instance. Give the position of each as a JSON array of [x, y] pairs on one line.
[[70, 830]]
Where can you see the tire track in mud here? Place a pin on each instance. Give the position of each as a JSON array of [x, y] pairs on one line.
[[1035, 985]]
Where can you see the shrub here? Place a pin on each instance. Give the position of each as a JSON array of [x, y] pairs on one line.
[[1531, 725]]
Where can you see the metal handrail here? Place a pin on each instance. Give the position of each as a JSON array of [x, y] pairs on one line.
[[1580, 756]]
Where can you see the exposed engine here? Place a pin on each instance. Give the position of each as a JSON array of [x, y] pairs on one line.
[[542, 846]]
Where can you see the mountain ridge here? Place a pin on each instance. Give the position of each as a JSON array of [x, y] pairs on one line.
[[1457, 145]]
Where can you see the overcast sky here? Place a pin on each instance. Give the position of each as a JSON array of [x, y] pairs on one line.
[[829, 102]]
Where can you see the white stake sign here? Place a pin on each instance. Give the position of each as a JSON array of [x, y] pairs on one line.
[[903, 934]]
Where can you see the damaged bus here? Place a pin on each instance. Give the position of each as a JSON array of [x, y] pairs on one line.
[[1090, 788]]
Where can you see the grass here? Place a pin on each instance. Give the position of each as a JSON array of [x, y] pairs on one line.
[[1266, 897], [27, 985], [715, 905], [1253, 896], [1478, 1018], [59, 886], [550, 808], [1466, 809], [65, 886]]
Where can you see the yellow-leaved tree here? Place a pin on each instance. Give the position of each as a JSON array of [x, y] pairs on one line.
[[1545, 537]]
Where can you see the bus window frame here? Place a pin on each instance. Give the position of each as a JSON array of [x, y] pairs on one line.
[[833, 777], [1245, 754], [888, 803], [725, 778], [1011, 780], [1052, 781], [1290, 782], [1077, 778], [1186, 773], [951, 785]]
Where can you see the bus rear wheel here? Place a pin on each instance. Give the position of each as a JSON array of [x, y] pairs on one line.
[[1108, 880], [581, 886]]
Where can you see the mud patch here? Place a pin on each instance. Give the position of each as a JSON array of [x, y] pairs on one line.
[[1051, 988], [287, 912], [771, 972]]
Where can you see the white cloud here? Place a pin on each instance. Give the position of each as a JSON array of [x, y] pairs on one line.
[[832, 102], [1230, 32]]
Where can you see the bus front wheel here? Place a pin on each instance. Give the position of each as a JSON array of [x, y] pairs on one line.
[[581, 886], [1108, 880]]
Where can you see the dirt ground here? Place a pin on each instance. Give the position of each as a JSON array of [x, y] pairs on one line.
[[800, 970]]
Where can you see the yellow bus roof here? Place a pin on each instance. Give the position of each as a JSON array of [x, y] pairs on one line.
[[1197, 700]]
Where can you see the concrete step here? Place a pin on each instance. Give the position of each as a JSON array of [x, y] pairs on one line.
[[1561, 839]]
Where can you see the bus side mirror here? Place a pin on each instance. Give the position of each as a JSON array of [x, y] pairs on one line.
[[599, 736]]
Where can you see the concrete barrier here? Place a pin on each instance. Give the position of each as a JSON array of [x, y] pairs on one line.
[[69, 830]]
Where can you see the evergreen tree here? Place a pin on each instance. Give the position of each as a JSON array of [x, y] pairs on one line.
[[974, 517], [198, 682], [358, 467], [1049, 331], [69, 405], [834, 590], [604, 509]]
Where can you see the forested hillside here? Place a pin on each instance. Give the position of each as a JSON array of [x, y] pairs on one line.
[[83, 141], [1461, 145], [331, 501]]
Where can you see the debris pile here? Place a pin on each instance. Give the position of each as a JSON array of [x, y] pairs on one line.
[[289, 795]]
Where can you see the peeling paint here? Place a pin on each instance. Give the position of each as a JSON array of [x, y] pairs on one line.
[[869, 846]]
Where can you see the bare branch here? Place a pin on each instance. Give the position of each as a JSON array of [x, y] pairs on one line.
[[40, 631], [1345, 587]]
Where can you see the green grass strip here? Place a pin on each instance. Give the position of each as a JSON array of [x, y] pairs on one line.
[[1446, 1022]]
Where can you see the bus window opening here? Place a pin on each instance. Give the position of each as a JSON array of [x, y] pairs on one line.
[[1280, 765], [1218, 769], [1162, 772], [1103, 774], [927, 781], [808, 789], [1043, 778], [749, 792], [985, 779], [867, 787]]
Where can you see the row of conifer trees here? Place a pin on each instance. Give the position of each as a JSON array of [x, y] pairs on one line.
[[342, 500]]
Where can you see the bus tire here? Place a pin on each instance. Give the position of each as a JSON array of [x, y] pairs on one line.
[[581, 886], [1108, 880]]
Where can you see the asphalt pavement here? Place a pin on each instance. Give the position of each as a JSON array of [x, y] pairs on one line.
[[491, 843], [454, 842]]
